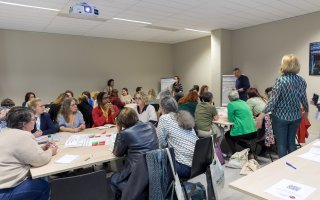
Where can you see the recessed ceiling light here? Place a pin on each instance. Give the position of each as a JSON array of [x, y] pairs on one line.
[[129, 20], [189, 29], [28, 6]]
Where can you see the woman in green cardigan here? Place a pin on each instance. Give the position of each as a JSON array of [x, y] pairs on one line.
[[243, 123]]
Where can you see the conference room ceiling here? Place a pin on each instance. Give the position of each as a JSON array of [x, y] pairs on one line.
[[169, 18]]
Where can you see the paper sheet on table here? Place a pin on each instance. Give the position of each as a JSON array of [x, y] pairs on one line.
[[313, 154], [105, 126], [286, 189], [66, 159], [317, 143]]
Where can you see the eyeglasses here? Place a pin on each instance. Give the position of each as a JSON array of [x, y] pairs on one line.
[[34, 119], [73, 105]]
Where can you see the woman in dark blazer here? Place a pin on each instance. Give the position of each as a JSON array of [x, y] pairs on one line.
[[43, 125], [134, 139], [86, 109]]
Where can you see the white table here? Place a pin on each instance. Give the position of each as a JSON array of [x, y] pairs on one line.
[[88, 155], [307, 173]]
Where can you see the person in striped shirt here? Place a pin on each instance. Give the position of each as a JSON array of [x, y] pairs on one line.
[[175, 129]]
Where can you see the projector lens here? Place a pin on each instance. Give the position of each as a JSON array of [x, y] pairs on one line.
[[87, 9]]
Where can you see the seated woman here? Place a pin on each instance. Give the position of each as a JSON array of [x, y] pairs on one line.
[[189, 102], [255, 101], [70, 118], [90, 100], [203, 89], [6, 105], [125, 96], [69, 93], [29, 96], [43, 125], [86, 110], [105, 112], [204, 115], [115, 100], [175, 129], [134, 138], [152, 97], [19, 153], [55, 108], [243, 123], [146, 112]]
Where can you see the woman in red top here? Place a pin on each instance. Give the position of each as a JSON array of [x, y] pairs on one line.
[[105, 112]]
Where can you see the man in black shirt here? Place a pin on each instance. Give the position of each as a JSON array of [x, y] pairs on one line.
[[242, 84]]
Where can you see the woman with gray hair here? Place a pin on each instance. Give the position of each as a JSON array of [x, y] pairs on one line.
[[175, 129], [243, 123], [19, 153]]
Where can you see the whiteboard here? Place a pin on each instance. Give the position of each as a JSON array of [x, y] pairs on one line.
[[228, 84], [166, 83]]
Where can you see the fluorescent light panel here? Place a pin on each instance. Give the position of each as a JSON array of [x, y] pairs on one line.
[[28, 6], [190, 29], [129, 20]]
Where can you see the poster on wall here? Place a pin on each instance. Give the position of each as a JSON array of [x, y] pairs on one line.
[[314, 59]]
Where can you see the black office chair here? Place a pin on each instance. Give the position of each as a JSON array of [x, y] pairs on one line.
[[82, 187], [202, 156]]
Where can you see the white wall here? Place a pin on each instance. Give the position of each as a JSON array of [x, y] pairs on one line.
[[258, 51], [48, 64], [192, 62]]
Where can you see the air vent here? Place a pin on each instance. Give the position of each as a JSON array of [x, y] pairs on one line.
[[162, 28], [82, 17]]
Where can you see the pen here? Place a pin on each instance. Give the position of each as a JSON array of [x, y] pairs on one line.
[[87, 159], [290, 165]]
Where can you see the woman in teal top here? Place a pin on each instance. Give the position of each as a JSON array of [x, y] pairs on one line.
[[243, 123]]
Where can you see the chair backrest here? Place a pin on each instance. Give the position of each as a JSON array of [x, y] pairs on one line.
[[202, 156], [156, 106], [82, 187]]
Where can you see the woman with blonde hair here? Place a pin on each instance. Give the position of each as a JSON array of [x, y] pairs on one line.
[[55, 106], [94, 95], [145, 111], [288, 94], [43, 125], [152, 97], [70, 118]]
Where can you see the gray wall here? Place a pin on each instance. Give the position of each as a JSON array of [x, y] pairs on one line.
[[192, 62], [258, 51], [48, 64]]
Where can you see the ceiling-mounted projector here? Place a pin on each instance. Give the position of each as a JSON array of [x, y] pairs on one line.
[[83, 10]]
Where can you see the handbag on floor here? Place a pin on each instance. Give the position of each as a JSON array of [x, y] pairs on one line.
[[238, 159]]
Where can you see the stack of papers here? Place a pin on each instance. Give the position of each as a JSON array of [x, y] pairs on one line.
[[106, 126]]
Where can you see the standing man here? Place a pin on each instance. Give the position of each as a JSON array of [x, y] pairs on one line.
[[242, 84], [177, 83]]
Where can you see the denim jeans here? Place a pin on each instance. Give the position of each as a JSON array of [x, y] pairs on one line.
[[30, 189], [183, 171], [285, 132]]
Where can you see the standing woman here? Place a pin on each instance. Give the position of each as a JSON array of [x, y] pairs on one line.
[[43, 125], [105, 112], [70, 118], [288, 94], [110, 86], [28, 97], [20, 152]]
